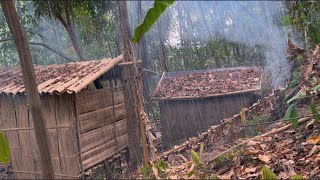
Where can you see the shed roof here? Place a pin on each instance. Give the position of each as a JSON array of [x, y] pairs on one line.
[[57, 78], [208, 83]]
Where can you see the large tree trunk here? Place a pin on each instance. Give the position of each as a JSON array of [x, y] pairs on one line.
[[129, 89], [30, 84], [68, 26]]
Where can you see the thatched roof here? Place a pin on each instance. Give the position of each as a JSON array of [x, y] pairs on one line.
[[57, 78]]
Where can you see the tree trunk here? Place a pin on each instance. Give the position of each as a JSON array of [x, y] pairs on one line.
[[129, 89], [71, 32], [68, 26], [163, 56], [30, 84]]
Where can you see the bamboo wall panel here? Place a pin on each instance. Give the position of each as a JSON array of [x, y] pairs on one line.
[[67, 137], [101, 117], [93, 100], [111, 148], [181, 119], [9, 121], [17, 123], [100, 136]]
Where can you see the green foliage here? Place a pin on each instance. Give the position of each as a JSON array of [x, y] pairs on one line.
[[146, 171], [151, 17], [305, 17], [161, 166], [267, 174], [292, 115], [297, 177], [298, 96], [4, 149], [195, 157], [314, 110], [295, 79]]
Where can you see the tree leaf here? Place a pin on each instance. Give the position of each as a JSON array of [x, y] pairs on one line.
[[291, 115], [267, 174], [195, 158], [201, 151], [300, 95], [296, 177], [4, 149], [264, 158], [314, 140], [151, 17]]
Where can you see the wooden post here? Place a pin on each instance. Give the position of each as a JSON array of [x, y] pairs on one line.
[[132, 94], [19, 37]]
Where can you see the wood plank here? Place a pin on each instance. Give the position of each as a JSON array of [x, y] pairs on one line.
[[99, 118], [101, 135], [97, 99], [107, 153]]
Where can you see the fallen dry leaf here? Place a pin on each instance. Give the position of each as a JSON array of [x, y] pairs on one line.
[[264, 158], [314, 140], [226, 175], [250, 170]]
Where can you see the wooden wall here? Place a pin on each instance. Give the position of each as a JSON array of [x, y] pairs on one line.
[[17, 124], [103, 131], [181, 119]]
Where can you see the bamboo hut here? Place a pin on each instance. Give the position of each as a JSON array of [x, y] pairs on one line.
[[83, 104], [192, 101]]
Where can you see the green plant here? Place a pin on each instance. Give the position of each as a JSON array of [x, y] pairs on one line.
[[314, 110], [292, 115], [4, 149], [161, 167], [146, 171], [151, 17], [268, 174]]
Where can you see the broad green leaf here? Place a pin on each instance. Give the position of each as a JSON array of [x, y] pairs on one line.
[[299, 96], [314, 111], [291, 115], [295, 79], [190, 173], [195, 158], [151, 17], [4, 149], [294, 118], [267, 174], [201, 150], [297, 177], [316, 88]]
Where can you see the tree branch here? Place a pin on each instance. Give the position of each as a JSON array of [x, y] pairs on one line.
[[44, 45], [51, 49]]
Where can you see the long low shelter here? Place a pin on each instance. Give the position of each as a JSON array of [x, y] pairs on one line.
[[192, 101], [83, 104]]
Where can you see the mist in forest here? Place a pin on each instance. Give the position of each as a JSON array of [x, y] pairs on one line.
[[247, 22], [251, 23]]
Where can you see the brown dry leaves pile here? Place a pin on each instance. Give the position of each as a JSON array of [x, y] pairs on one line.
[[209, 83]]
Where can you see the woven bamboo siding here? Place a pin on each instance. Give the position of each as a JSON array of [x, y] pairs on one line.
[[103, 131], [16, 122], [185, 118]]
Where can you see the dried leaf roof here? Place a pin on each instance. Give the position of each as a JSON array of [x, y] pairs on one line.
[[174, 85], [57, 78]]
